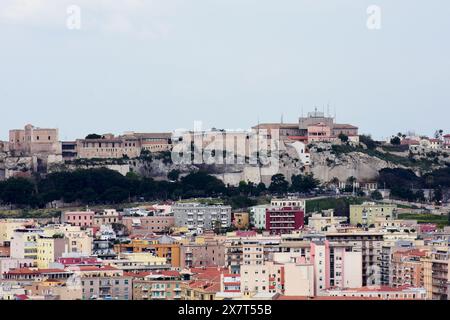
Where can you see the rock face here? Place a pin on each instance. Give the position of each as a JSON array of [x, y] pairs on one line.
[[326, 166]]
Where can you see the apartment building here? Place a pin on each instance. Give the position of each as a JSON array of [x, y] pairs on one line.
[[369, 212], [164, 285], [105, 217], [199, 217], [324, 221], [24, 243], [258, 216], [407, 268], [288, 202], [79, 218], [163, 247], [436, 273], [49, 249], [381, 292], [282, 220], [7, 227], [370, 245], [149, 224], [103, 283], [209, 253]]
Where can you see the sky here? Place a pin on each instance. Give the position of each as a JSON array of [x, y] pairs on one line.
[[160, 65]]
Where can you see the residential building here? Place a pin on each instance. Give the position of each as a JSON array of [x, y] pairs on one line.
[[367, 213], [381, 292], [241, 220], [149, 224], [79, 218], [281, 220], [164, 285], [436, 273], [49, 249], [198, 217], [369, 244], [258, 216]]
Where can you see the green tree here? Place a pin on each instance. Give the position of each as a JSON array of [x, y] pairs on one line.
[[93, 136], [343, 137], [376, 195], [396, 141], [278, 184], [173, 175]]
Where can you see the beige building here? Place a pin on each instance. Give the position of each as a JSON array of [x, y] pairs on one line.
[[128, 145], [7, 227], [436, 273], [369, 213], [32, 140]]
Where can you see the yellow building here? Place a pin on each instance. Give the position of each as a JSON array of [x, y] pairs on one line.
[[79, 241], [369, 213], [8, 226], [241, 220], [144, 258], [49, 249]]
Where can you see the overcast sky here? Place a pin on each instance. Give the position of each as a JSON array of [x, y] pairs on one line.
[[158, 65]]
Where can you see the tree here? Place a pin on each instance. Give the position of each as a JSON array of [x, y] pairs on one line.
[[173, 175], [18, 191], [368, 141], [376, 195], [93, 136], [396, 141], [303, 183], [343, 137], [437, 197], [278, 184]]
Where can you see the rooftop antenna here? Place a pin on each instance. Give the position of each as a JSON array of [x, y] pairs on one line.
[[328, 109], [281, 118]]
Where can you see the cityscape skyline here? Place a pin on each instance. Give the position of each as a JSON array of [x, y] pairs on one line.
[[161, 65]]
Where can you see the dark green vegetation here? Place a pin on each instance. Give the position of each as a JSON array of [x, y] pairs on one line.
[[440, 221], [104, 186], [341, 206], [404, 183]]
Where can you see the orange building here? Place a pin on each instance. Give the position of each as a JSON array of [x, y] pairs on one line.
[[170, 251]]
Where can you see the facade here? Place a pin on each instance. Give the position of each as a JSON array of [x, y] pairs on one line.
[[164, 285], [32, 140], [129, 145], [380, 292], [149, 224], [24, 244], [241, 220], [368, 213], [370, 245], [446, 144], [258, 216], [198, 217], [281, 220], [79, 218], [7, 227], [325, 221], [49, 249], [288, 202], [106, 217], [407, 268], [436, 273]]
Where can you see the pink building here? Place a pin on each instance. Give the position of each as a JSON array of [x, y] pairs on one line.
[[447, 141], [79, 218], [284, 220], [427, 227], [319, 132]]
